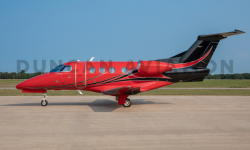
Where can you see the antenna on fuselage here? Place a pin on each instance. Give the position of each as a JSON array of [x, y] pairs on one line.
[[91, 59]]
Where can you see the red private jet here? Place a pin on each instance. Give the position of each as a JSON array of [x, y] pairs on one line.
[[122, 79]]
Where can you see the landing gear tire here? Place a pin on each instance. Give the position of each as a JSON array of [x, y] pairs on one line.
[[44, 102], [127, 103]]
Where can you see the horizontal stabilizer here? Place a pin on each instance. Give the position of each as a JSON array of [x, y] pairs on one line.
[[218, 36]]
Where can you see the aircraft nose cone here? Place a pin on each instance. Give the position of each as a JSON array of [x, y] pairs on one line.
[[19, 86], [23, 85]]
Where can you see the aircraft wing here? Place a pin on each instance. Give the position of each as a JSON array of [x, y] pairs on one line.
[[127, 90]]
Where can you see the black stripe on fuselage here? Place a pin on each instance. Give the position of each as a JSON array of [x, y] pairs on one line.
[[60, 86]]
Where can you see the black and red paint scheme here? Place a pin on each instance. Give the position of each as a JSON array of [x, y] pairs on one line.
[[122, 79]]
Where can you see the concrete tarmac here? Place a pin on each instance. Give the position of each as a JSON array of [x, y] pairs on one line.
[[98, 122]]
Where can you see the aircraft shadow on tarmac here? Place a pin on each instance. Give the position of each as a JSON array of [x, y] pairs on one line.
[[99, 105]]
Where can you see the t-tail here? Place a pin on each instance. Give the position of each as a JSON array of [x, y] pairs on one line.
[[196, 58]]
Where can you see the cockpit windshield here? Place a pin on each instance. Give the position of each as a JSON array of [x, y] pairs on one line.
[[62, 68]]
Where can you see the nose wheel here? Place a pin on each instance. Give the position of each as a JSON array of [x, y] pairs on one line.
[[44, 102], [127, 103]]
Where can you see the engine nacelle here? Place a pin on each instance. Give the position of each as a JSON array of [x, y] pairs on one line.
[[153, 67]]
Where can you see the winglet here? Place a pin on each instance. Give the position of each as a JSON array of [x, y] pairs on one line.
[[79, 91]]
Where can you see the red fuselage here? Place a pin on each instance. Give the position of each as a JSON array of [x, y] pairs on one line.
[[105, 76], [122, 79]]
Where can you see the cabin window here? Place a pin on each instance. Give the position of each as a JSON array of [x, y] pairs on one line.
[[124, 70], [92, 70], [112, 70], [102, 70]]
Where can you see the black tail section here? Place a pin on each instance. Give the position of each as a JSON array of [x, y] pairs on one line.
[[197, 50], [200, 47]]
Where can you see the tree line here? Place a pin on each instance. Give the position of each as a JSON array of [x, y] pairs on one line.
[[23, 75], [20, 75]]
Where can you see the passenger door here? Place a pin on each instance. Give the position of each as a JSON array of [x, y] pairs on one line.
[[81, 74]]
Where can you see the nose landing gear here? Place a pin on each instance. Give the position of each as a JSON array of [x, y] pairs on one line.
[[44, 102]]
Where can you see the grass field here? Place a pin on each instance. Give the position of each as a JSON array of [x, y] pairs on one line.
[[213, 84], [204, 84], [10, 82]]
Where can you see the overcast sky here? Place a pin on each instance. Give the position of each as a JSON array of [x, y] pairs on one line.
[[119, 30]]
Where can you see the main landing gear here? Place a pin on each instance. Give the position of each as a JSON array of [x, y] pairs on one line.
[[44, 102], [127, 103]]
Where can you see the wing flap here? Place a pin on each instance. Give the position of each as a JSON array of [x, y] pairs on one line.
[[123, 90]]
